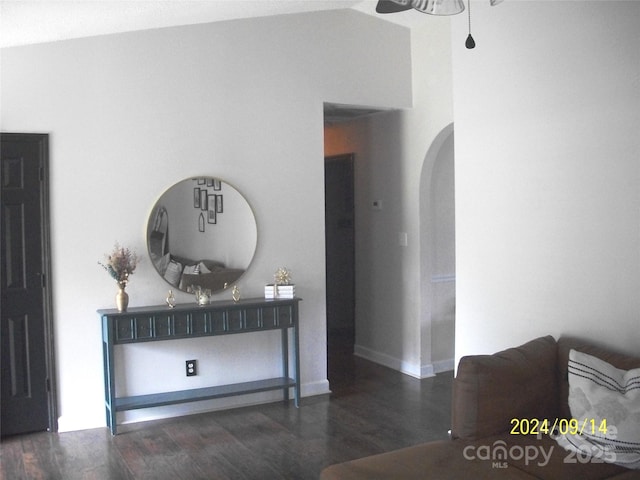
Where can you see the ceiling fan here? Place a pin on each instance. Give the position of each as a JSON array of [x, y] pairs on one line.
[[431, 7]]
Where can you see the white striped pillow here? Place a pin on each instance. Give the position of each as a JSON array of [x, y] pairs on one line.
[[599, 392]]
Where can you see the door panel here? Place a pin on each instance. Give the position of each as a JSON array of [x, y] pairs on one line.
[[25, 397], [340, 255]]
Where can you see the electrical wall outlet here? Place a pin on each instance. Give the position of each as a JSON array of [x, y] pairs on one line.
[[192, 369]]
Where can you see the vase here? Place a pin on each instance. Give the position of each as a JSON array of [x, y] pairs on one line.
[[122, 299]]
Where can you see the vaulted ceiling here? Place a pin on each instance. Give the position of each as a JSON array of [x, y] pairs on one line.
[[25, 22]]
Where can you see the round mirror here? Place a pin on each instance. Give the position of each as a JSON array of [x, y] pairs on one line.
[[201, 233]]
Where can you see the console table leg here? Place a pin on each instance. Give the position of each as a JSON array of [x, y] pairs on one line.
[[296, 356], [285, 361], [109, 375]]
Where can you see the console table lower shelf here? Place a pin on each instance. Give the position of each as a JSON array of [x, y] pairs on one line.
[[206, 393], [149, 324]]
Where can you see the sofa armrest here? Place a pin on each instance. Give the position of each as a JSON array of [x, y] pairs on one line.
[[491, 390]]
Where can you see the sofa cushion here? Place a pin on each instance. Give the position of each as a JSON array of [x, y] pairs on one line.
[[489, 391], [605, 403], [542, 457]]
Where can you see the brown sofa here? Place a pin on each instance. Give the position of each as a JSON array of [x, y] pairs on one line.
[[526, 382]]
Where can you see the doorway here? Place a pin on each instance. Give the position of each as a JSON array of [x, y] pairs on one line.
[[340, 263], [28, 389]]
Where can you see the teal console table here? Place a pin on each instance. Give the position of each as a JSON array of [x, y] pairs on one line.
[[149, 324]]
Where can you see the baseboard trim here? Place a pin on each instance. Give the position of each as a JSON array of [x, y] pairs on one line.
[[416, 371], [388, 361], [66, 424], [427, 371], [314, 388], [443, 365]]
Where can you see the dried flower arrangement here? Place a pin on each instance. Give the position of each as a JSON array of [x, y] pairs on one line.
[[120, 264]]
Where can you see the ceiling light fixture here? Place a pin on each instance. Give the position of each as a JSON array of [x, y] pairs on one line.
[[431, 7], [439, 7]]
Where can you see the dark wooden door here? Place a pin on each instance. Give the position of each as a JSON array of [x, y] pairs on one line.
[[23, 329], [340, 258]]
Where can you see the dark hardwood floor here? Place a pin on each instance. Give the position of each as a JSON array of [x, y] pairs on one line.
[[372, 409]]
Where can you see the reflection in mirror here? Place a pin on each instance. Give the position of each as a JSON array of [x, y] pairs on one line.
[[201, 233]]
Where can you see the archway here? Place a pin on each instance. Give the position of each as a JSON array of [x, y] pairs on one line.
[[437, 255]]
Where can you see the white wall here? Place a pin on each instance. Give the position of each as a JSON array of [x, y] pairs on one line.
[[131, 114], [547, 111]]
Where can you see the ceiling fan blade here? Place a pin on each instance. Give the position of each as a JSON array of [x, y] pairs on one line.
[[389, 6]]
